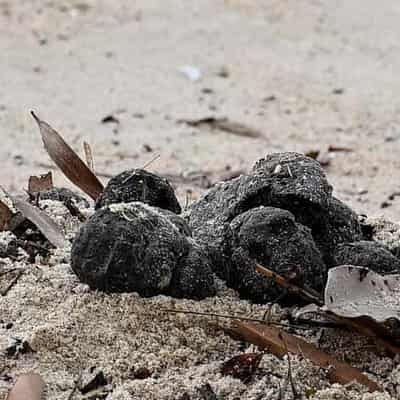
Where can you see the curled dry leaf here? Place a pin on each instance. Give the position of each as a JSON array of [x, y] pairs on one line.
[[40, 183], [27, 387], [42, 221], [278, 342], [68, 161], [354, 292]]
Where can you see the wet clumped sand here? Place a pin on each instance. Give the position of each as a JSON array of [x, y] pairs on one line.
[[95, 311]]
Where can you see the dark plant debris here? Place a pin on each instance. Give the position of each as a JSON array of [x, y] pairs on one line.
[[243, 366], [92, 379], [224, 124], [68, 161], [19, 346], [40, 183], [110, 119], [142, 373]]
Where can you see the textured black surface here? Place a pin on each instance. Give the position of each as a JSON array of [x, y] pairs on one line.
[[341, 225], [271, 237], [64, 195], [372, 255], [134, 247], [282, 215], [193, 278], [288, 181], [139, 185], [284, 180]]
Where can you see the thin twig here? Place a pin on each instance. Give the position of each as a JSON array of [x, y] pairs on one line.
[[11, 284], [76, 385], [306, 294], [88, 155], [156, 157], [8, 271], [237, 317], [289, 374]]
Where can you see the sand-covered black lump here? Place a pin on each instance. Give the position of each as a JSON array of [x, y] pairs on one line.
[[282, 215], [139, 185], [64, 195], [229, 222], [272, 237], [133, 247]]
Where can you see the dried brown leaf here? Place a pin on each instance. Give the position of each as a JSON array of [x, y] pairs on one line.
[[278, 342], [27, 387], [42, 221], [68, 161], [5, 216], [40, 183]]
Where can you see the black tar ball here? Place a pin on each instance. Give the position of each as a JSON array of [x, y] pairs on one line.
[[133, 247], [367, 254], [272, 237], [139, 185]]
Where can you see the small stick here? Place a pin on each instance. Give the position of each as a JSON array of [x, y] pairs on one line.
[[306, 294], [76, 385], [144, 167], [237, 317], [156, 157], [88, 155], [8, 271], [289, 374], [11, 284]]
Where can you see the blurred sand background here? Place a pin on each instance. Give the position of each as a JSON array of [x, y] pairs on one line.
[[307, 73]]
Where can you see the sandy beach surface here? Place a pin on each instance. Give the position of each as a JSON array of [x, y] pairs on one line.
[[309, 75]]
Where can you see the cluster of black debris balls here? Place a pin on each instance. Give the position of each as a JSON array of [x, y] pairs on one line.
[[281, 215]]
